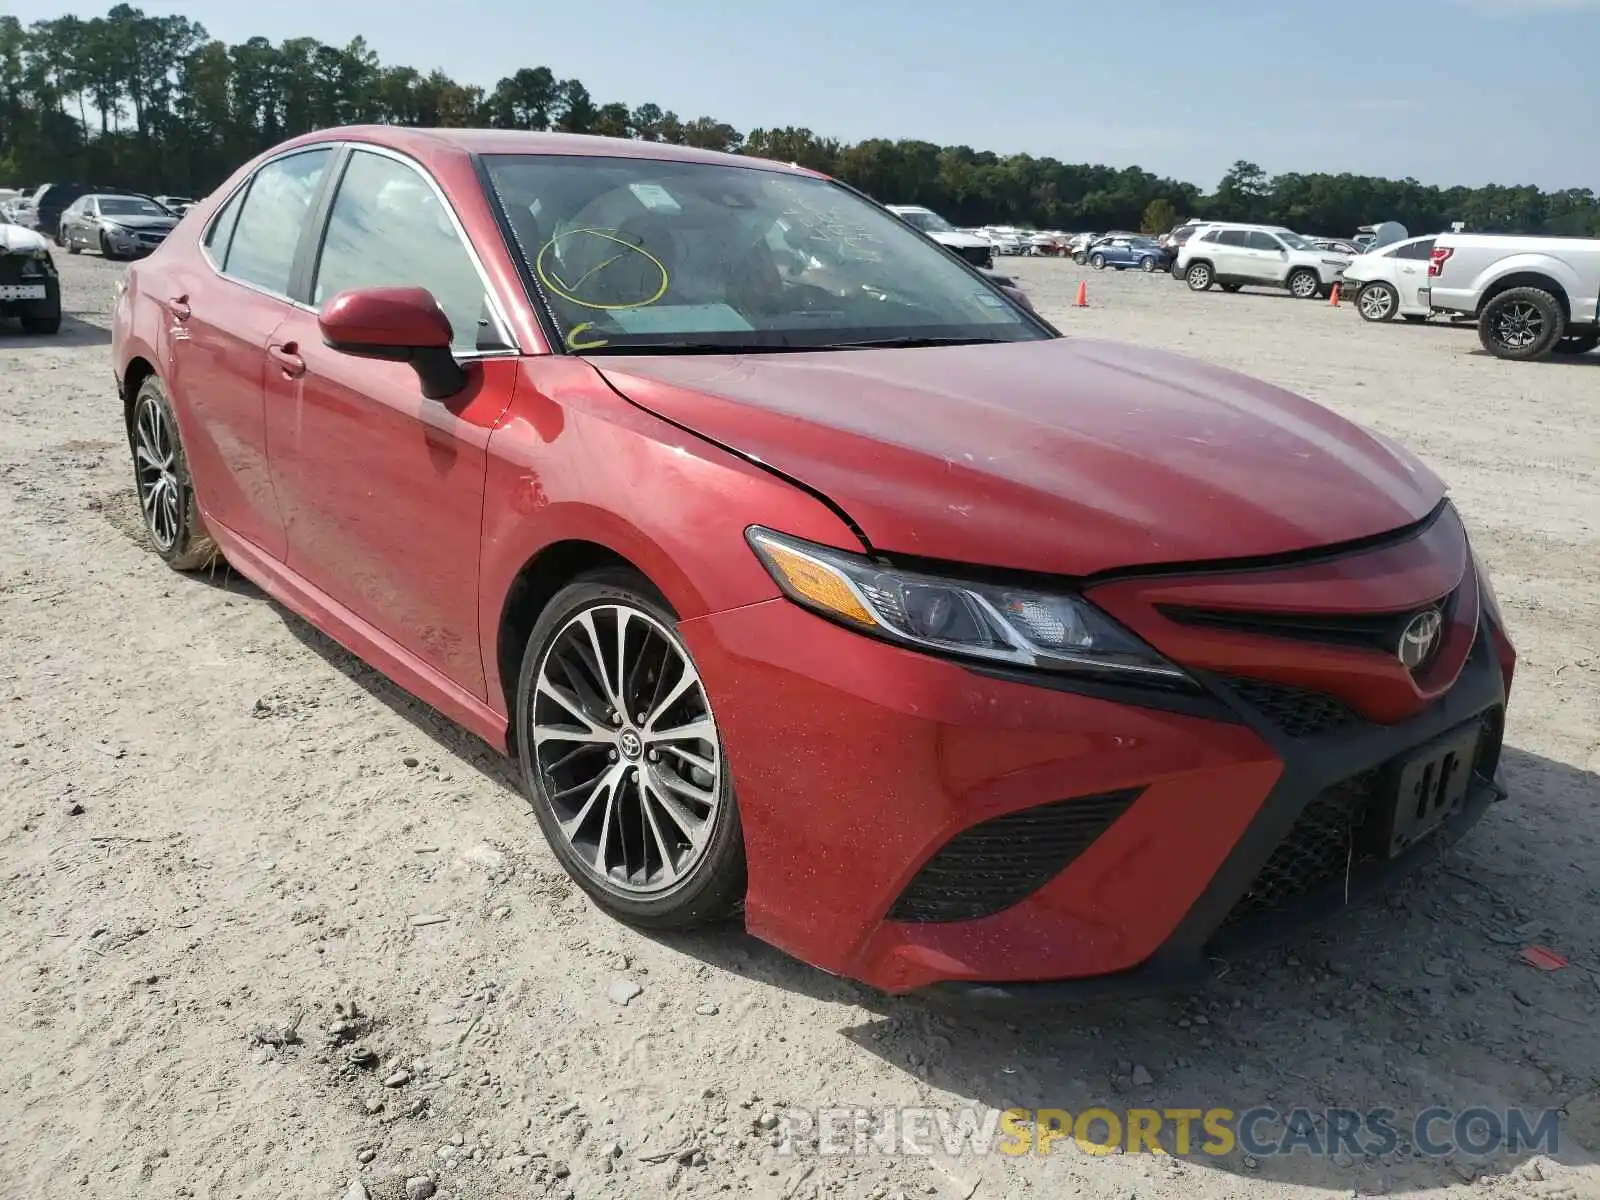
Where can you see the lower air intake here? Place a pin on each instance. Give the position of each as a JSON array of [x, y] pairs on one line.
[[993, 865]]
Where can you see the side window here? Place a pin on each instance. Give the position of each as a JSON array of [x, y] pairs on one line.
[[387, 228], [268, 227], [1422, 250], [1257, 240], [1209, 235], [1231, 237], [221, 231]]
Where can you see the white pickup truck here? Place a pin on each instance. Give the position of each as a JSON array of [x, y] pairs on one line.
[[1532, 296]]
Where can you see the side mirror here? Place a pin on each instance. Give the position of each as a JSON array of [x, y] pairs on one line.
[[396, 324]]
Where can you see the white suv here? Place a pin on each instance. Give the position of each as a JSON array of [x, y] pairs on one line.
[[1236, 255]]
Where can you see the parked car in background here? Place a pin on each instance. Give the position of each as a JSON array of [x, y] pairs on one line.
[[1391, 281], [30, 289], [976, 250], [826, 588], [53, 199], [1336, 245], [1122, 253], [177, 205], [119, 226], [1006, 240], [1236, 256], [1531, 296]]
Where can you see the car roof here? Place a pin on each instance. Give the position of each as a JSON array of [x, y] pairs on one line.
[[426, 143]]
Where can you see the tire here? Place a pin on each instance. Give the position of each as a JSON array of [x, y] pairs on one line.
[[1576, 343], [42, 326], [1199, 276], [1232, 288], [561, 784], [162, 483], [1080, 258], [72, 245], [1303, 283], [105, 247], [1521, 324], [1377, 302], [1147, 264], [1098, 262]]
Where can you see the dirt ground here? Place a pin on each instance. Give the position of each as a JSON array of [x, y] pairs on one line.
[[272, 928]]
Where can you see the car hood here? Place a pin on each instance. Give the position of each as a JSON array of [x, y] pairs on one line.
[[959, 239], [156, 223], [1065, 456], [14, 239]]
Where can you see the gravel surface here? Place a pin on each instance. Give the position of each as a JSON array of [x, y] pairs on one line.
[[273, 928]]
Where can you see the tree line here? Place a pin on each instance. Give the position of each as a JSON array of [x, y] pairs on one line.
[[155, 104]]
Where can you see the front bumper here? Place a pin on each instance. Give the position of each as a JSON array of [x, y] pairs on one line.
[[857, 763]]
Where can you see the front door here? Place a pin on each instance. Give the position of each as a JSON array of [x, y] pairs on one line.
[[381, 488]]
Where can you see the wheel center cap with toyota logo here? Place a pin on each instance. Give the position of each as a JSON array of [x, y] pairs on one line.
[[631, 744], [1420, 638]]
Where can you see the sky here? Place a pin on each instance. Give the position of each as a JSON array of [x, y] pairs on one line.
[[1445, 91]]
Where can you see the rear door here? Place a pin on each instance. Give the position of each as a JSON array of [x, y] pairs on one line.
[[1269, 258], [1411, 273], [381, 488], [221, 310], [1231, 258]]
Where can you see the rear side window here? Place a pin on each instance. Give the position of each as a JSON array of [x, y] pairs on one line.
[[1231, 237], [267, 231], [1422, 250], [388, 228], [221, 231], [1209, 235]]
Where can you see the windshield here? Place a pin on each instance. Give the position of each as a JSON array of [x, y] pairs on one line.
[[646, 254], [130, 206], [928, 222]]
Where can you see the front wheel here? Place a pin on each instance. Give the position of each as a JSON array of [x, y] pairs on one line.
[[621, 757], [1521, 324], [1199, 276], [105, 246], [1098, 262], [1304, 284], [1147, 264], [1377, 302], [161, 479]]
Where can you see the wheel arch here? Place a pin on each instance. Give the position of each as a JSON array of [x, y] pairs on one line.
[[1535, 278], [139, 369], [533, 587]]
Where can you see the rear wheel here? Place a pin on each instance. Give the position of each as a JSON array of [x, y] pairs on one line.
[[1377, 302], [1577, 343], [1199, 276], [621, 757], [1098, 262], [161, 478], [1304, 284], [1521, 324]]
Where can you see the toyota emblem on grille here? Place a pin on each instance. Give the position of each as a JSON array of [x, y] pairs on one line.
[[1420, 638]]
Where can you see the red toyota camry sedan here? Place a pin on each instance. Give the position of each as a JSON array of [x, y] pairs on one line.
[[803, 569]]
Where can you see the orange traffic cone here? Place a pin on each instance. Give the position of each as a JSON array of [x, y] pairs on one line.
[[1333, 297], [1083, 294]]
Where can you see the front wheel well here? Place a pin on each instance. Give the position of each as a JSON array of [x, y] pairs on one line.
[[1531, 279], [541, 577], [133, 378]]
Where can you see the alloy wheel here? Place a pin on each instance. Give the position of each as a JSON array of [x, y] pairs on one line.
[[1518, 325], [1376, 303], [155, 458], [1304, 285], [1199, 277], [626, 750]]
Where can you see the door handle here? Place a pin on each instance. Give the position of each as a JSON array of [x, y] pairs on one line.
[[178, 306], [287, 356]]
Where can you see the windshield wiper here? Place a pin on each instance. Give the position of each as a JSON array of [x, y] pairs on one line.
[[911, 342]]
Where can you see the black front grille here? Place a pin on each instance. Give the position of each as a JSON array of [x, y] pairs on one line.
[[978, 256], [1331, 838], [1296, 711], [1367, 631], [993, 865]]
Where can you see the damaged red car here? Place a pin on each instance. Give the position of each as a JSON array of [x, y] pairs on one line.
[[806, 573]]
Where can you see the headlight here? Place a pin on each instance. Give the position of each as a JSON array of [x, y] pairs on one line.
[[993, 622]]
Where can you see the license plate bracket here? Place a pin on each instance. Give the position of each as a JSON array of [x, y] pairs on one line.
[[1430, 786]]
